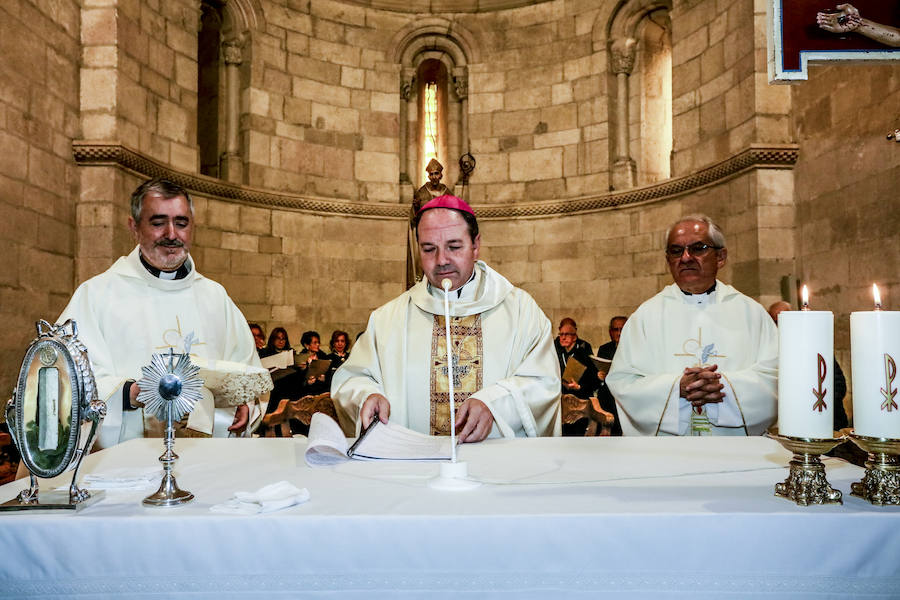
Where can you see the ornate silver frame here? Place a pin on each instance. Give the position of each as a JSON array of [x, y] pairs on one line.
[[57, 347]]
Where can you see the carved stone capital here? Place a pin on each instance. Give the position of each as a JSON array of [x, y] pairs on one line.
[[461, 86], [621, 54], [406, 86], [232, 51]]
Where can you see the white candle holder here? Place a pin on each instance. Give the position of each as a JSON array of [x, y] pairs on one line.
[[881, 483], [806, 483]]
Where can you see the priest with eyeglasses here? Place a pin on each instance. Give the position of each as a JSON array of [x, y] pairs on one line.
[[699, 357]]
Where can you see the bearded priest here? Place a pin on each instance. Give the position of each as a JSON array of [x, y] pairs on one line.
[[153, 300]]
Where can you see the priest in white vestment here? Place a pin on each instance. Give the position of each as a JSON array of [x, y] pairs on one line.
[[699, 358], [506, 377], [153, 300]]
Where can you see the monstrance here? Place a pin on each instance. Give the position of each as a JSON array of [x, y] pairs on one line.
[[169, 388]]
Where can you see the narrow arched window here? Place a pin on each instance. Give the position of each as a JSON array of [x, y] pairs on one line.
[[433, 138], [208, 82], [651, 97]]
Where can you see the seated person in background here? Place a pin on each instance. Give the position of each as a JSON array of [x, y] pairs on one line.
[[311, 386], [288, 382], [506, 381], [840, 383], [340, 350], [154, 300], [608, 351], [278, 342], [699, 358], [259, 337], [570, 347]]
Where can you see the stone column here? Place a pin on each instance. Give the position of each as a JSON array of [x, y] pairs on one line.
[[624, 173], [461, 85], [230, 166], [407, 84]]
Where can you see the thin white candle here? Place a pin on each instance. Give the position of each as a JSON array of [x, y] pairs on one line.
[[805, 372], [804, 298], [445, 283], [875, 352]]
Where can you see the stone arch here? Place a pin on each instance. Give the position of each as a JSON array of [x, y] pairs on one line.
[[640, 71], [414, 47], [226, 67]]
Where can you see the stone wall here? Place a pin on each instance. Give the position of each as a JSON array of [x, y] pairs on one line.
[[301, 271], [721, 99], [39, 45]]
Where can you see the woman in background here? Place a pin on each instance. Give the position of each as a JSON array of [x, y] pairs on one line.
[[278, 342], [315, 385], [340, 350]]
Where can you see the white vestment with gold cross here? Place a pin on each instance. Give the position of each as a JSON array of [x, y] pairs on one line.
[[672, 331], [502, 341], [125, 314]]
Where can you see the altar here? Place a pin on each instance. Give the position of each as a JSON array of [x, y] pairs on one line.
[[553, 518]]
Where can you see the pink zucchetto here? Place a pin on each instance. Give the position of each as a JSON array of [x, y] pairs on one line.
[[448, 201]]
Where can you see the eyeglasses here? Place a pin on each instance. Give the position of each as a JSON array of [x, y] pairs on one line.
[[696, 250], [568, 335]]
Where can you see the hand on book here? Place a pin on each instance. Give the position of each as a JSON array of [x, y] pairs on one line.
[[375, 404], [473, 421]]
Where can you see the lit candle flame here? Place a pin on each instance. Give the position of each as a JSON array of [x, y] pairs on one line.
[[804, 298], [877, 297]]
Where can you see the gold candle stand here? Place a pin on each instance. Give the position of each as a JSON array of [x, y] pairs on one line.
[[881, 483], [806, 483]]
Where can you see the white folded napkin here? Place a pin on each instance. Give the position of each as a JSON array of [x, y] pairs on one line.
[[124, 478], [272, 497]]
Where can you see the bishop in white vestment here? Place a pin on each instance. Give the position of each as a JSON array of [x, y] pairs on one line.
[[502, 346], [699, 358]]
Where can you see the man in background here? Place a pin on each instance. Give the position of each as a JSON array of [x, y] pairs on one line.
[[608, 351], [569, 347]]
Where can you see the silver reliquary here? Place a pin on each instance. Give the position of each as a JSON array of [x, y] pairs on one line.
[[54, 396]]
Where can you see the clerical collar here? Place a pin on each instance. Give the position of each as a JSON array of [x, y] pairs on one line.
[[179, 273], [709, 291], [459, 290], [707, 297]]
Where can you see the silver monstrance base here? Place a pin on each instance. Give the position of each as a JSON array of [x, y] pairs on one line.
[[168, 494]]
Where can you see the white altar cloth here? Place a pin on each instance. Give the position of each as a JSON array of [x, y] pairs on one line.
[[556, 518]]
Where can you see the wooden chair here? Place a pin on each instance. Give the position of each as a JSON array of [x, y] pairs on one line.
[[301, 409], [575, 408]]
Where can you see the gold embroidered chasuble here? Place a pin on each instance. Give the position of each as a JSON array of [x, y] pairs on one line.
[[466, 346]]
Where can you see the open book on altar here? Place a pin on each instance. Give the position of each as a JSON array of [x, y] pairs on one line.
[[328, 446]]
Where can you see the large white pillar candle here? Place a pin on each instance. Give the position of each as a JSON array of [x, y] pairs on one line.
[[805, 374], [875, 354]]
